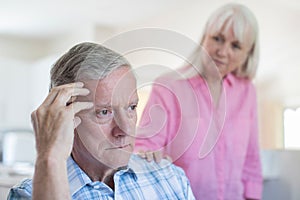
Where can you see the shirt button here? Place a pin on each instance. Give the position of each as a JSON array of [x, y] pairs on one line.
[[96, 186]]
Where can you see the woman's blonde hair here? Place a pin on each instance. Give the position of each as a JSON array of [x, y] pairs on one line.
[[242, 20]]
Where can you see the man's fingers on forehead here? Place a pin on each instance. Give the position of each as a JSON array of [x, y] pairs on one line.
[[66, 95], [79, 91], [72, 100], [70, 85], [77, 121], [51, 97], [74, 88], [79, 106]]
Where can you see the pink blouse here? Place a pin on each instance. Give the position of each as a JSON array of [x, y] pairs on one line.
[[217, 147]]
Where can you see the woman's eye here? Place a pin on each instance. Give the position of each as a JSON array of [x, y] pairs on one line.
[[217, 38], [236, 46]]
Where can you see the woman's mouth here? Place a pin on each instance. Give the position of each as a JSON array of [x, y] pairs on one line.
[[218, 62]]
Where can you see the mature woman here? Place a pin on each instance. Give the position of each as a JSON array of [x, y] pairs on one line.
[[207, 122]]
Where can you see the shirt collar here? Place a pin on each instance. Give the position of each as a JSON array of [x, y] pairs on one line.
[[78, 178], [197, 80], [128, 170], [230, 79]]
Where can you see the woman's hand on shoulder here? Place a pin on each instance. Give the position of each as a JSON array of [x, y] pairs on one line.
[[156, 156]]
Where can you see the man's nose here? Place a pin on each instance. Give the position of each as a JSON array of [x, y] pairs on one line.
[[123, 124]]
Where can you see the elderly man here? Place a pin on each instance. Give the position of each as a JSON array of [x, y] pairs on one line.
[[94, 90]]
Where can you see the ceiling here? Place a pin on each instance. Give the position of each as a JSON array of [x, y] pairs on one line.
[[49, 18], [278, 19]]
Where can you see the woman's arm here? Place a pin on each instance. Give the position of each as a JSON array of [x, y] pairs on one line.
[[252, 172]]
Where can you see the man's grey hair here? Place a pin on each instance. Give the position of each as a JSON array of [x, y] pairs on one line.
[[85, 61]]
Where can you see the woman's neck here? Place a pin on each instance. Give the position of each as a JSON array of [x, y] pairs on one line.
[[215, 89]]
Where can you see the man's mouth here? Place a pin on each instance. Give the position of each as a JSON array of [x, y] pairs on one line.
[[118, 147]]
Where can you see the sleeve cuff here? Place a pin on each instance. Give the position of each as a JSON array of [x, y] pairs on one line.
[[253, 190]]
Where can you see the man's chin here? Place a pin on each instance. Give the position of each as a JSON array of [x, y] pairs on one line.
[[120, 165], [119, 161]]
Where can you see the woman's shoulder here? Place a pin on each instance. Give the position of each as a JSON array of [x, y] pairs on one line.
[[240, 87], [178, 77], [239, 81]]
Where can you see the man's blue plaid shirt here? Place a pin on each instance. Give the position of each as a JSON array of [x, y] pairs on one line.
[[140, 181]]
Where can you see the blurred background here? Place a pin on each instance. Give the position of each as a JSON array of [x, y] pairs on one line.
[[33, 34]]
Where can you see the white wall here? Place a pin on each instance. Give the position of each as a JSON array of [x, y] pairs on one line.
[[14, 87]]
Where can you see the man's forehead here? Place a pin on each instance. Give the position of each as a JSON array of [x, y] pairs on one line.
[[96, 86], [92, 84], [118, 75], [104, 92]]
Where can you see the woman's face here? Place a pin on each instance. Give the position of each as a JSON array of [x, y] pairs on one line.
[[226, 51]]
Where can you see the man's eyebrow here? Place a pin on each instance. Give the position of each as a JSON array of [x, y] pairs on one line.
[[135, 100], [104, 105]]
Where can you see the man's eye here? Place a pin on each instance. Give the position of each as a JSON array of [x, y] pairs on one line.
[[103, 113], [132, 107]]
